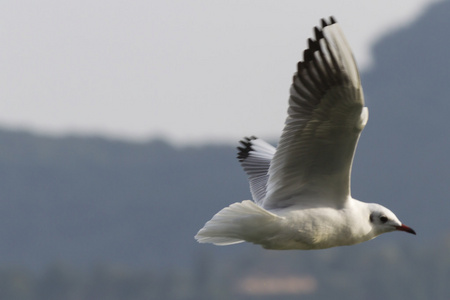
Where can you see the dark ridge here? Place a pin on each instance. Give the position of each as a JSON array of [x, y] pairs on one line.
[[243, 152]]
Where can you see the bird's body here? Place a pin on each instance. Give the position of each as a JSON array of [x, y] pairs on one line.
[[318, 228], [301, 189], [299, 227]]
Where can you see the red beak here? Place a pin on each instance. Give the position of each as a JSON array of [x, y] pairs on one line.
[[405, 229]]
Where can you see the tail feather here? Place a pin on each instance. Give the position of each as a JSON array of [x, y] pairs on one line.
[[236, 223]]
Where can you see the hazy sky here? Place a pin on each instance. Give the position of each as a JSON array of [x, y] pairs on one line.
[[187, 70]]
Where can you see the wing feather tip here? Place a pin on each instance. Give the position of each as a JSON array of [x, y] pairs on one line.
[[244, 152]]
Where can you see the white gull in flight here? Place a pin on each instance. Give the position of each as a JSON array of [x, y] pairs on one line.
[[301, 189]]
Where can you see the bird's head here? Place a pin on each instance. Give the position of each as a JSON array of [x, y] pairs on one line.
[[383, 220]]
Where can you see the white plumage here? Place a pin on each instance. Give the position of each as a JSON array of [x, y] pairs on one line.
[[301, 189]]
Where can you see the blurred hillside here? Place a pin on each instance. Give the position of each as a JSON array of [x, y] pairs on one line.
[[89, 201], [403, 157], [84, 200]]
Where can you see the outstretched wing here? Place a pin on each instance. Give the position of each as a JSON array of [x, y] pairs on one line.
[[255, 156], [325, 118]]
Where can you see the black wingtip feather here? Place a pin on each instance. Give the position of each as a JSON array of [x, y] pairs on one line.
[[318, 33], [326, 23], [312, 77], [314, 44], [308, 55], [243, 152]]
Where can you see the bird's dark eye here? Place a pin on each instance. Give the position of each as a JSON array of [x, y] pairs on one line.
[[383, 219]]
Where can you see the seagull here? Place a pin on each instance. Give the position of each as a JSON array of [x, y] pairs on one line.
[[301, 189]]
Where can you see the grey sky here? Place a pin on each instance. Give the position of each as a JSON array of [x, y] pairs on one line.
[[187, 70]]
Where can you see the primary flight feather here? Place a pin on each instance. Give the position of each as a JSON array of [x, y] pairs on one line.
[[301, 189]]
